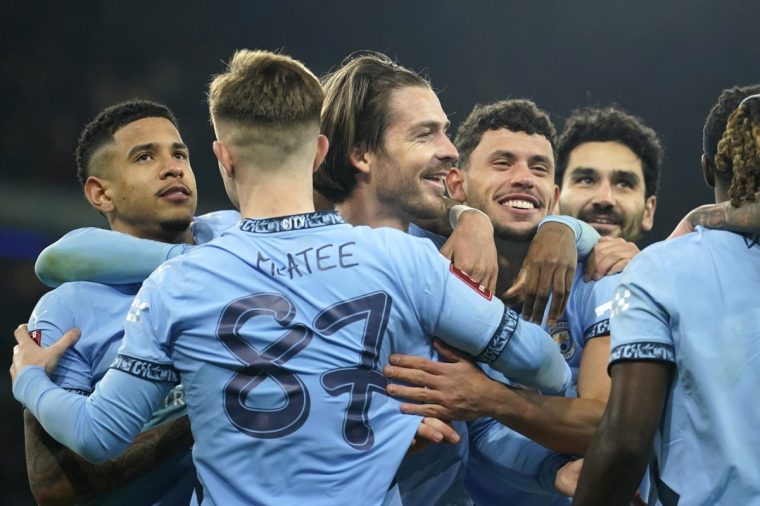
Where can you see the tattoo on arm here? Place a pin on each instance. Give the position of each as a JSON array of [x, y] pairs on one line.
[[59, 476], [723, 216], [712, 217]]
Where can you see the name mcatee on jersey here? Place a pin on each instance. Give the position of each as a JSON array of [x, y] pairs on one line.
[[303, 263]]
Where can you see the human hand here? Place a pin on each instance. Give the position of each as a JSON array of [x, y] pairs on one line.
[[27, 352], [609, 256], [472, 249], [548, 270], [433, 430], [453, 390], [567, 477]]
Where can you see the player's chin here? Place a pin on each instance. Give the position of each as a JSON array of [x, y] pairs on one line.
[[518, 232], [177, 223]]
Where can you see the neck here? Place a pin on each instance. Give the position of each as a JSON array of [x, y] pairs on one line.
[[265, 196], [510, 255], [363, 208], [155, 234]]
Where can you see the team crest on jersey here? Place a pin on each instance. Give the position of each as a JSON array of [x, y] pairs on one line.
[[36, 336], [561, 335], [482, 290]]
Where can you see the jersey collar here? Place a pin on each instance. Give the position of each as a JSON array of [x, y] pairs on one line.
[[292, 222]]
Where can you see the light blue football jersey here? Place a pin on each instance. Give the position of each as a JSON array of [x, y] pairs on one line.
[[281, 365], [586, 317], [98, 310], [477, 468], [115, 258], [690, 302]]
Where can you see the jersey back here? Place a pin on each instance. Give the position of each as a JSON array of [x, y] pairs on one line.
[[690, 302], [279, 331]]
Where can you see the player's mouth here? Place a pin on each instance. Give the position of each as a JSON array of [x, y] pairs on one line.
[[436, 180], [175, 193], [519, 203], [605, 224]]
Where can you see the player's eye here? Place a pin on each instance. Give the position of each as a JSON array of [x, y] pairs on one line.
[[181, 155], [144, 157]]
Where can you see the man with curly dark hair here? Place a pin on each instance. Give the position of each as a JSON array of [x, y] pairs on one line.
[[608, 165]]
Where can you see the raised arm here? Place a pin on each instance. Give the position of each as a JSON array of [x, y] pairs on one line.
[[548, 269], [471, 245], [103, 256], [723, 216]]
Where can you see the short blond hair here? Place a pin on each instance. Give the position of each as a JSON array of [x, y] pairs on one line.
[[270, 100]]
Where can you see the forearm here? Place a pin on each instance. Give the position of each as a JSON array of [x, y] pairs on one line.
[[444, 224], [98, 428], [723, 216], [585, 235], [562, 424], [531, 358], [613, 468], [507, 459], [58, 476], [102, 256], [621, 448]]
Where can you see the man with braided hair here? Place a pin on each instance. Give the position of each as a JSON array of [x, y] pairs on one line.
[[684, 361], [722, 216]]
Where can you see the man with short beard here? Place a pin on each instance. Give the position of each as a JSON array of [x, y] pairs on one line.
[[389, 149], [506, 170], [608, 167]]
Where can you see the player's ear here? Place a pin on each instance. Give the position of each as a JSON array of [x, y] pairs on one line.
[[361, 159], [224, 156], [647, 219], [322, 146], [455, 184], [707, 171], [97, 191], [554, 209]]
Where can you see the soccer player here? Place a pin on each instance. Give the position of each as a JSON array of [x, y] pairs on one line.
[[279, 328], [608, 166], [722, 216], [506, 169], [389, 147], [683, 381], [135, 170]]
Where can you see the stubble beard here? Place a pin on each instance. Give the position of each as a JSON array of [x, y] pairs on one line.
[[173, 227]]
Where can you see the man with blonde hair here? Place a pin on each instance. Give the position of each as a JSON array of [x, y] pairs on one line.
[[279, 329]]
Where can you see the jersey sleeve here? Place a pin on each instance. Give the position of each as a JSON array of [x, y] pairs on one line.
[[596, 304], [98, 427], [51, 318], [585, 235], [210, 226], [145, 349], [641, 308], [102, 256], [502, 459], [465, 315]]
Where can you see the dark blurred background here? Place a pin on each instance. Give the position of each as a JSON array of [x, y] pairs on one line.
[[665, 61]]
